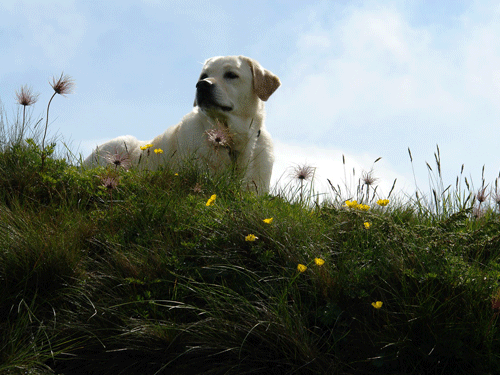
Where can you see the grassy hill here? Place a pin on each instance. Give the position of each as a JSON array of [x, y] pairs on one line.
[[136, 272], [115, 271]]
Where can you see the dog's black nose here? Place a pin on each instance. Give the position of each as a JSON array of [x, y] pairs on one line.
[[204, 93], [204, 84]]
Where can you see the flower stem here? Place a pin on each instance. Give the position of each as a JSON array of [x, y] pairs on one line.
[[45, 131], [24, 122]]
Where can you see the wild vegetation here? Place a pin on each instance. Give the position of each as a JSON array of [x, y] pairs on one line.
[[116, 270]]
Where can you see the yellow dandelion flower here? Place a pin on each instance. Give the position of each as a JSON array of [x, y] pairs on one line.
[[367, 225], [176, 174], [211, 200], [319, 261], [145, 147], [302, 268], [158, 151], [351, 204], [363, 207], [268, 221], [377, 304], [383, 202], [251, 238]]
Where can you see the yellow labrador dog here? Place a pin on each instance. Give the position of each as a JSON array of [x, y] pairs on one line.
[[225, 126]]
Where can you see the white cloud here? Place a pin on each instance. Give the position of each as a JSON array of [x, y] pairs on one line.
[[51, 30], [341, 169], [314, 42], [482, 54], [378, 66], [379, 80]]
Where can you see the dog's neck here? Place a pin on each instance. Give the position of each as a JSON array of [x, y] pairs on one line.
[[243, 134]]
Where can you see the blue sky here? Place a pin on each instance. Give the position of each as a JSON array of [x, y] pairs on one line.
[[364, 79]]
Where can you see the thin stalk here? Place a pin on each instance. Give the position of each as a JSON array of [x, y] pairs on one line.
[[45, 131]]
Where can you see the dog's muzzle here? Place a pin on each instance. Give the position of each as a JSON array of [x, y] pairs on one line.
[[205, 95]]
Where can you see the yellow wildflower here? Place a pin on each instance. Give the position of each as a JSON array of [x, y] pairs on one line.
[[302, 268], [352, 204], [268, 221], [367, 225], [319, 261], [383, 202], [251, 238], [145, 147], [377, 304], [363, 207], [158, 151], [211, 200]]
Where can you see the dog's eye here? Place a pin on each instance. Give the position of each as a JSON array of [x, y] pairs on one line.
[[230, 75]]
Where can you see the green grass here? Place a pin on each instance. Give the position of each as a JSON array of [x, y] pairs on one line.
[[145, 278]]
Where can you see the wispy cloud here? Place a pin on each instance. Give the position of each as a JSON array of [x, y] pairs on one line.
[[380, 79], [58, 34], [343, 169], [52, 31]]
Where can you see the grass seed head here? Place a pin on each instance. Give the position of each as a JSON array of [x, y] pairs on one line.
[[303, 172], [25, 97], [496, 198], [368, 178], [481, 195], [64, 85], [197, 188], [119, 159], [109, 181], [219, 136]]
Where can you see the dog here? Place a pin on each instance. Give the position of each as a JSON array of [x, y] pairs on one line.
[[225, 127]]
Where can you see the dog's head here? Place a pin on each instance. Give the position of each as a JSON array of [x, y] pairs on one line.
[[233, 85]]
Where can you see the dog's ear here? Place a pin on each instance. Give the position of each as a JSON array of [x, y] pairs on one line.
[[264, 82]]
